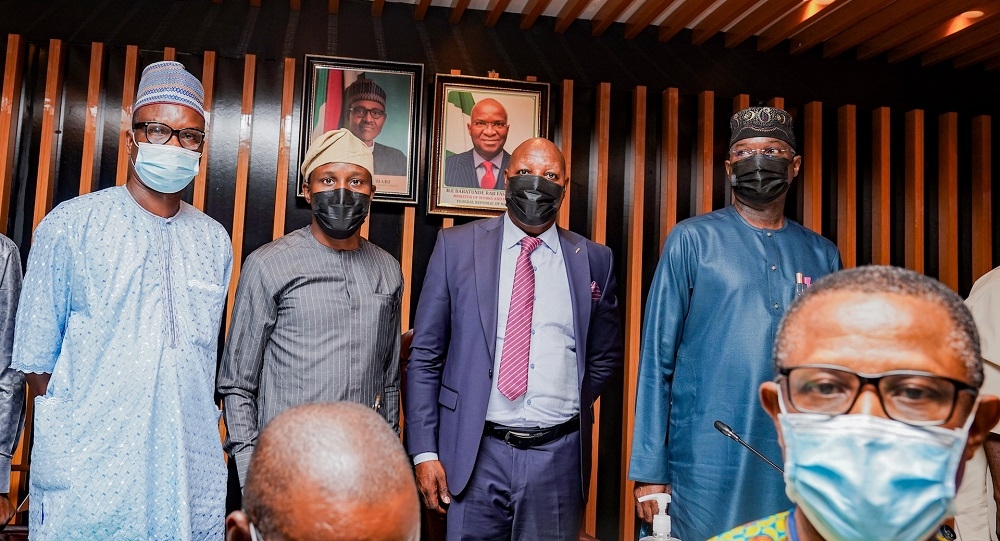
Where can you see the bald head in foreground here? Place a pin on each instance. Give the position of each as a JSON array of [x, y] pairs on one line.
[[330, 472], [877, 407]]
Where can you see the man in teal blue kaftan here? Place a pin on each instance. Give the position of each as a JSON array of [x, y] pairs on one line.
[[723, 282]]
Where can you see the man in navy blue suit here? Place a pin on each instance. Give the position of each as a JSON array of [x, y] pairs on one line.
[[485, 164], [503, 374]]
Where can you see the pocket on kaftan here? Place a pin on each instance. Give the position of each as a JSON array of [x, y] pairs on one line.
[[206, 301], [51, 465]]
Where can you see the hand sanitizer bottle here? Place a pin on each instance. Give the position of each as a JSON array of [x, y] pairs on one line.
[[661, 521]]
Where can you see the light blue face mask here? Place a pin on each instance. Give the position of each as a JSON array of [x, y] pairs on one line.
[[859, 477], [166, 168]]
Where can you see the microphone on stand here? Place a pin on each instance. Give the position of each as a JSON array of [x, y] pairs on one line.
[[729, 433]]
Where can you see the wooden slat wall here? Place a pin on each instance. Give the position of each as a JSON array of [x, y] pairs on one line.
[[566, 146], [670, 148], [913, 231], [10, 106], [201, 179], [982, 190], [881, 192], [88, 167], [242, 176], [128, 98], [668, 163], [812, 165], [633, 296], [47, 149], [847, 178], [948, 199], [598, 233], [284, 148], [705, 151]]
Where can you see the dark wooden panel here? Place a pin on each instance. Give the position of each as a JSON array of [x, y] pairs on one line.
[[948, 199], [705, 152], [913, 213], [847, 179], [881, 187], [10, 109], [90, 162], [812, 165], [982, 200], [50, 126], [668, 164], [633, 299], [242, 176], [207, 81]]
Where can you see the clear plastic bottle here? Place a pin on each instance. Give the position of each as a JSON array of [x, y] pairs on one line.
[[661, 521]]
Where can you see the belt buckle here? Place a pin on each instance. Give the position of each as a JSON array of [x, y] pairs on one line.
[[523, 436]]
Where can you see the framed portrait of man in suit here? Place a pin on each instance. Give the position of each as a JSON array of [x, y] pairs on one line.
[[478, 121], [380, 103]]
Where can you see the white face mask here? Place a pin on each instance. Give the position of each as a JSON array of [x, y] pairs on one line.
[[860, 477], [165, 168]]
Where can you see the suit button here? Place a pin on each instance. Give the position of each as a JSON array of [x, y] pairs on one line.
[[491, 373]]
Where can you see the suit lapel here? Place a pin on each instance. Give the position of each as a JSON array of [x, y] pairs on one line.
[[578, 271], [486, 251]]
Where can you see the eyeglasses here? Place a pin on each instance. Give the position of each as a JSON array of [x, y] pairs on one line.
[[769, 151], [360, 112], [482, 125], [159, 134], [912, 397]]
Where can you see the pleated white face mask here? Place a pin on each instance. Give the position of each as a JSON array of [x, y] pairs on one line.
[[860, 477], [166, 168]]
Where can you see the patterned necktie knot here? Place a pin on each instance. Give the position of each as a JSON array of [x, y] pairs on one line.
[[528, 244]]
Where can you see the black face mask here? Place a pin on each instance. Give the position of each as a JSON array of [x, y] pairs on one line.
[[340, 212], [532, 199], [760, 179]]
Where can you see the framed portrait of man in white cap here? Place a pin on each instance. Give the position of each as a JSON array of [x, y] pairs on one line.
[[380, 103]]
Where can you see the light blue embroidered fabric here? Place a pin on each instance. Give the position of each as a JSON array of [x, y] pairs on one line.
[[123, 308]]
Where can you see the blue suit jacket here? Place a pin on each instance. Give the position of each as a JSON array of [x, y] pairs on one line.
[[460, 171], [450, 373]]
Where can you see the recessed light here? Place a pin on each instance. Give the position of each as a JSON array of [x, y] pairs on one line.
[[975, 14]]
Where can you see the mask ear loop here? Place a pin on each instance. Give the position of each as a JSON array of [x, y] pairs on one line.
[[781, 400], [254, 534]]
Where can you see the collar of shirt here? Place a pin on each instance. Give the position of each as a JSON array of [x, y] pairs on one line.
[[478, 160], [512, 236]]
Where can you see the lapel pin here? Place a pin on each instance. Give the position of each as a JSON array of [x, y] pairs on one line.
[[577, 251]]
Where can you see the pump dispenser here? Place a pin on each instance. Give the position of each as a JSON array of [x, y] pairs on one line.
[[661, 521]]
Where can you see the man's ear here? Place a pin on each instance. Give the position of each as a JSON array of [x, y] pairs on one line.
[[305, 191], [987, 416], [769, 399], [796, 165], [237, 526]]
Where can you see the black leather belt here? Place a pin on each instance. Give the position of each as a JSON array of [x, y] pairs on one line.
[[525, 438]]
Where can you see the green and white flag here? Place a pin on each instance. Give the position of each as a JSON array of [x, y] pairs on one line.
[[457, 116]]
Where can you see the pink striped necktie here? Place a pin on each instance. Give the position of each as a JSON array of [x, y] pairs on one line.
[[513, 379]]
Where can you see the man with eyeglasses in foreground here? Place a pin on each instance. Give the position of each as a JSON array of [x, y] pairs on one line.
[[334, 472], [877, 407], [366, 116], [485, 164], [117, 332], [723, 282]]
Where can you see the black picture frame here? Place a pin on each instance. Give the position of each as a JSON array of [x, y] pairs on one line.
[[323, 109]]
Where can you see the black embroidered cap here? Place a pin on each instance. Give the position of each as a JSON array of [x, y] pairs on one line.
[[762, 122]]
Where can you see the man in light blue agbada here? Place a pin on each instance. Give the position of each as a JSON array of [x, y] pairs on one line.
[[117, 332], [723, 282]]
